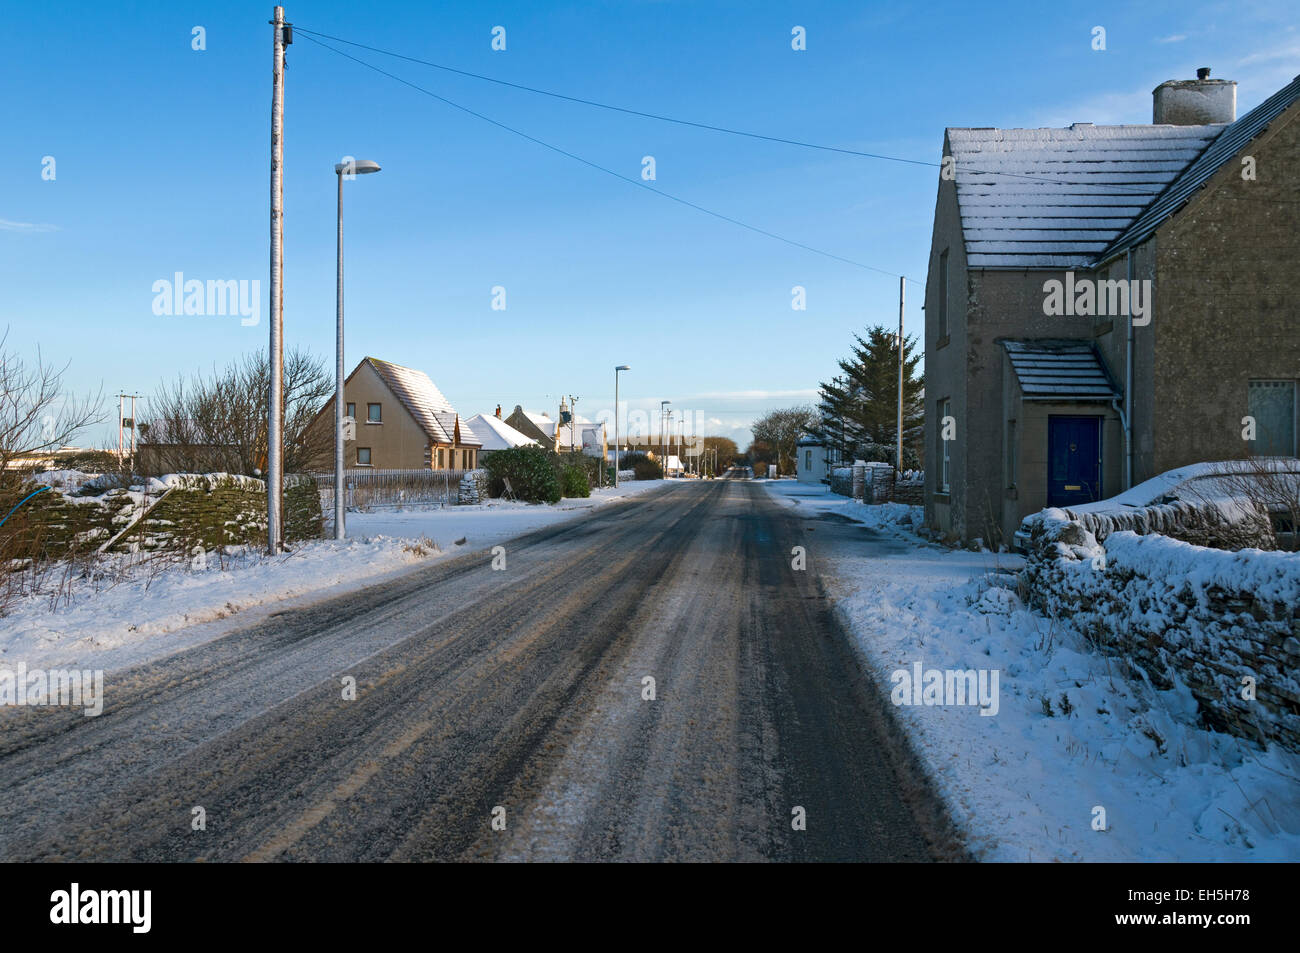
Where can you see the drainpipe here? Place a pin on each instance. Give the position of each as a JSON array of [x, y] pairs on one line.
[[1128, 387]]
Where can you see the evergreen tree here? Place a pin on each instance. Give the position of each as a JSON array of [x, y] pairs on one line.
[[859, 408]]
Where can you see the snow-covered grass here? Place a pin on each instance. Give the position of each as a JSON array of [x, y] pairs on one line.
[[134, 608], [1071, 735]]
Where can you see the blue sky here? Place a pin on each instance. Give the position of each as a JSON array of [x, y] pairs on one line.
[[162, 156]]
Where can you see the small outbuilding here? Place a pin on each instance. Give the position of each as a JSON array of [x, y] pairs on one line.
[[810, 459]]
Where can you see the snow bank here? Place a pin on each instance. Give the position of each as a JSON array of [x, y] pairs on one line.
[[1070, 736]]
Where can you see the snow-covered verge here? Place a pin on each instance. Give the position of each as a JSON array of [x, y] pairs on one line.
[[1071, 735], [135, 607]]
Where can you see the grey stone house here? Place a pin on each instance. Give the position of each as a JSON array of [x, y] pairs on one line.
[[1105, 303]]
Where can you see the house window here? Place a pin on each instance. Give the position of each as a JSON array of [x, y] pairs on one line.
[[807, 460], [469, 459], [363, 456], [374, 413], [441, 464], [945, 411], [943, 296], [352, 411], [1273, 405]]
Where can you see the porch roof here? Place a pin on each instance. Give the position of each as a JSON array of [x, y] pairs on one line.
[[1060, 370]]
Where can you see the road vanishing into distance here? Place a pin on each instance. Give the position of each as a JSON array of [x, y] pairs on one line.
[[504, 715]]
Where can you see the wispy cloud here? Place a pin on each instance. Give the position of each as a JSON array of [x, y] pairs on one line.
[[1172, 38], [758, 394], [8, 226]]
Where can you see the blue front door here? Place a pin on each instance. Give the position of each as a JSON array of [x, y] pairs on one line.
[[1073, 460]]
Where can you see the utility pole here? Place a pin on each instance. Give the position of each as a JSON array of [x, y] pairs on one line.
[[902, 285], [126, 443], [282, 36]]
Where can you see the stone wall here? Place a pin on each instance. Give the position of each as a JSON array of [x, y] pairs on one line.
[[1225, 624]]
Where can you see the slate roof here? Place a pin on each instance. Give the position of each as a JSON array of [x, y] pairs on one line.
[[1225, 147], [424, 402], [1057, 198], [1059, 370]]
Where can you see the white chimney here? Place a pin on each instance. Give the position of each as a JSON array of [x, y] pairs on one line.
[[1195, 102]]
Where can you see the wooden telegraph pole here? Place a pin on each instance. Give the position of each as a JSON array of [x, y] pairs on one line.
[[275, 396]]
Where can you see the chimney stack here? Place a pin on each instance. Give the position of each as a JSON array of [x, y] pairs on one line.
[[1195, 102]]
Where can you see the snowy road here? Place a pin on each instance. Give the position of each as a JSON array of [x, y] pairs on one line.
[[515, 695]]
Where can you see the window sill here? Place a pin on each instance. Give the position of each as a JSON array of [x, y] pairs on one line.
[[942, 342], [373, 422], [943, 496]]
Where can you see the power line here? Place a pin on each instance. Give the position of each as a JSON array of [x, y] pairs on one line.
[[607, 171], [659, 117]]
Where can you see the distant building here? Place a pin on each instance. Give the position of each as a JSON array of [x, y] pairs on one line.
[[810, 460], [581, 435], [495, 434], [402, 422]]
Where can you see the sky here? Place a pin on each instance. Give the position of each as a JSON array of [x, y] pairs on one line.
[[161, 153]]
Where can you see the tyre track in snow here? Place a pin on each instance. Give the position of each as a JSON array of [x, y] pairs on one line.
[[519, 689]]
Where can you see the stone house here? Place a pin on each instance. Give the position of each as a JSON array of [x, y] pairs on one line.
[[581, 434], [1106, 303]]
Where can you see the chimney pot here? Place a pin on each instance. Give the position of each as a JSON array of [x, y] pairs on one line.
[[1194, 102]]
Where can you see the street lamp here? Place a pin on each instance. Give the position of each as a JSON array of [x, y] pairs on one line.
[[662, 412], [620, 367], [342, 169]]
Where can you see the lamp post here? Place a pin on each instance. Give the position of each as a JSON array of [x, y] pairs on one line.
[[662, 413], [351, 167], [620, 367]]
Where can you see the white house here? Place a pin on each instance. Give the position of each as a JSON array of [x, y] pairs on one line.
[[810, 459], [496, 434]]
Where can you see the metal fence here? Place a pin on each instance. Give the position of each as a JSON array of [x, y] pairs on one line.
[[367, 489]]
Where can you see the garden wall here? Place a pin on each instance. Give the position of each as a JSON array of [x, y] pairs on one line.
[[1220, 622]]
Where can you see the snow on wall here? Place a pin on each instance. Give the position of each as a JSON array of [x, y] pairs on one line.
[[1225, 624]]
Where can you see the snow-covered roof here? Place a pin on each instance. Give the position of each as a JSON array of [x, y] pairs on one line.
[[1057, 198], [589, 434], [1059, 370], [1225, 147], [542, 422], [423, 401], [495, 434]]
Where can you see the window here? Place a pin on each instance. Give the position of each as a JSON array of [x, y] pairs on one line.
[[945, 411], [352, 410], [943, 296], [363, 456], [807, 460], [1273, 405], [441, 464], [374, 413]]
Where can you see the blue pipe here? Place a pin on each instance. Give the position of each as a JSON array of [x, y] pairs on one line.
[[21, 502]]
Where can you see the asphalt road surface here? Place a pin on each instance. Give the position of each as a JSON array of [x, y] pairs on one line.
[[503, 714]]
